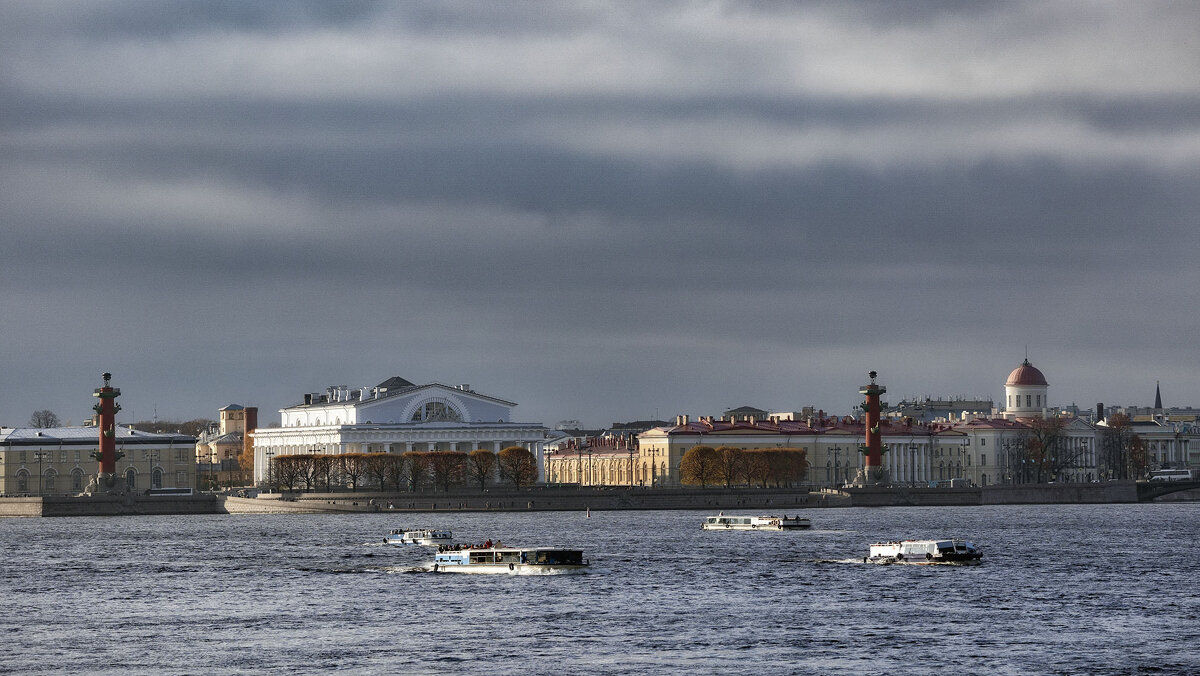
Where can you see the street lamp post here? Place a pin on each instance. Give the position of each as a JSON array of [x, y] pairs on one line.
[[631, 463], [39, 456], [152, 457]]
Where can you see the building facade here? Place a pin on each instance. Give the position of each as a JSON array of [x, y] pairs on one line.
[[61, 461], [219, 448], [395, 416]]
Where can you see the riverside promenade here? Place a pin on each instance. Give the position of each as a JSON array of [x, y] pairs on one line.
[[547, 499]]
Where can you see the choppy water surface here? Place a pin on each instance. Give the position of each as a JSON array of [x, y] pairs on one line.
[[1107, 589]]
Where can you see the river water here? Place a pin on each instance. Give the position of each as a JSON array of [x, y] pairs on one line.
[[1096, 589]]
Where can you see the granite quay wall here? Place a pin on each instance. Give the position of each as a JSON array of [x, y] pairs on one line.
[[538, 499], [108, 505], [1048, 494], [20, 506], [766, 500]]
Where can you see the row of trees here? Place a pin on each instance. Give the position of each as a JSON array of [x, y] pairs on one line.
[[412, 471], [1122, 453], [729, 466], [1041, 454]]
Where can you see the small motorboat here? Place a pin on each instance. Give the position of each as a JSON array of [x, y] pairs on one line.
[[509, 560], [722, 522], [422, 536], [925, 552]]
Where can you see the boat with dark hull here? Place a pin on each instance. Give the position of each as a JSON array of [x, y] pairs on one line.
[[925, 552]]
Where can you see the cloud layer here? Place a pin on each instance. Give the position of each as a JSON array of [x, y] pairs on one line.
[[603, 211]]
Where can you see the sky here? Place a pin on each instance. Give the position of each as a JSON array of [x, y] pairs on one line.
[[602, 211]]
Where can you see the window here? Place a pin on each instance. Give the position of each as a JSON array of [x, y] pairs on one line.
[[76, 455], [983, 458], [1039, 400], [983, 442], [77, 479], [62, 456], [131, 480], [1028, 400], [49, 480]]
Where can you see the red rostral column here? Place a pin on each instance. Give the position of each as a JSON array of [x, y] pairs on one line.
[[107, 407], [874, 446]]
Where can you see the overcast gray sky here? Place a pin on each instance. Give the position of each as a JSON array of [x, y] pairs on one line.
[[600, 210]]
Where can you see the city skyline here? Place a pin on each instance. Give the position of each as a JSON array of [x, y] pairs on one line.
[[600, 211]]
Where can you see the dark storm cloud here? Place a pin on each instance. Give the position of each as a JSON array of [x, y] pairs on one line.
[[685, 206]]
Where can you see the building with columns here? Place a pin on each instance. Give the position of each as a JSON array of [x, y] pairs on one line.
[[61, 460], [981, 447], [395, 416]]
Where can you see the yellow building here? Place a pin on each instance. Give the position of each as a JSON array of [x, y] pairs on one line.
[[219, 448], [60, 461]]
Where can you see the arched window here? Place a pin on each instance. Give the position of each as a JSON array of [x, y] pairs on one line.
[[131, 480], [983, 479], [436, 410], [156, 480], [22, 481], [76, 479], [49, 480]]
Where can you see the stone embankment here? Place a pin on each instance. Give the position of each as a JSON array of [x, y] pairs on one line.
[[109, 505], [568, 499], [537, 499], [1040, 494]]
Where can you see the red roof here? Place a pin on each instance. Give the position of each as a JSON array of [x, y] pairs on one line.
[[1026, 374]]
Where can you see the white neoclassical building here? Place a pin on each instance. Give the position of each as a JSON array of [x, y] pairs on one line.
[[395, 416]]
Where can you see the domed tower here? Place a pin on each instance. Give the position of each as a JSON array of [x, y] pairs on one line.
[[1025, 392]]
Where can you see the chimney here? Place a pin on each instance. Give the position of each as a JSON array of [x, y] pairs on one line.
[[1099, 411]]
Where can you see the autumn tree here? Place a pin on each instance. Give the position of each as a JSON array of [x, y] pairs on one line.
[[699, 465], [416, 469], [352, 468], [43, 419], [1045, 450], [481, 467], [324, 471], [732, 467], [291, 471], [757, 463], [393, 472], [517, 466], [1116, 447], [375, 470], [245, 462], [446, 468]]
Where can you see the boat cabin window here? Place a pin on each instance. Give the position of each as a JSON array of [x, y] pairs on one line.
[[558, 557]]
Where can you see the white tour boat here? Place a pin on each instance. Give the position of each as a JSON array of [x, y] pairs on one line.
[[423, 536], [722, 522], [925, 552], [510, 560]]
